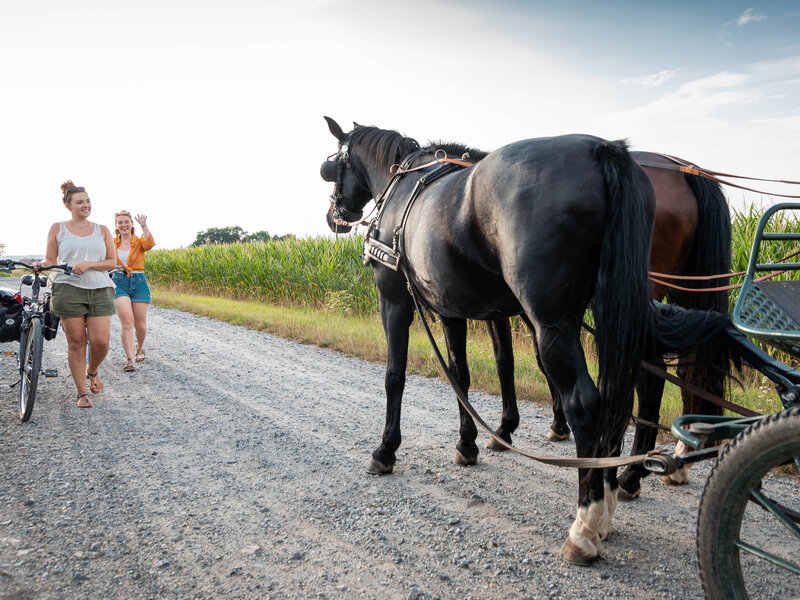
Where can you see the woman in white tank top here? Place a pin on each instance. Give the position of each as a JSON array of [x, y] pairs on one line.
[[83, 300]]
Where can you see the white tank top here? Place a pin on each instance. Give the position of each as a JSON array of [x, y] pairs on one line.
[[73, 249]]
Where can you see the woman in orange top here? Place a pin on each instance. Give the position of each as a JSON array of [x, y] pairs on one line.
[[132, 295]]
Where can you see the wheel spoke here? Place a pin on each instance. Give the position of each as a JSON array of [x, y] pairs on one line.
[[777, 510], [768, 557]]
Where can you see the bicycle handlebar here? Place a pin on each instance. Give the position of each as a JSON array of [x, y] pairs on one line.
[[8, 265]]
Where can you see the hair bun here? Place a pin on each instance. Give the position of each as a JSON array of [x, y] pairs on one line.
[[67, 184]]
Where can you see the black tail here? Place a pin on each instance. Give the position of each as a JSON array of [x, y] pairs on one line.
[[622, 293], [679, 332], [708, 367]]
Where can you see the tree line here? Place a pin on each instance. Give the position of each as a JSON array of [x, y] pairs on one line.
[[233, 235]]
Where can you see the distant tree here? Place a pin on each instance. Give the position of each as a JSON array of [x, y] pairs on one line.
[[286, 236], [2, 248], [258, 236], [219, 235]]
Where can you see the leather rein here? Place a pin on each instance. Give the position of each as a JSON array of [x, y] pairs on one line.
[[692, 169]]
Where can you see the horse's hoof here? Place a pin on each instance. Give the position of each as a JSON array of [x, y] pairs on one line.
[[375, 467], [627, 496], [574, 555], [460, 459], [552, 436], [493, 444], [677, 478]]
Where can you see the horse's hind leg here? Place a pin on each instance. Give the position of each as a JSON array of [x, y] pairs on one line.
[[502, 343], [559, 430], [455, 335], [396, 321], [649, 389], [564, 362]]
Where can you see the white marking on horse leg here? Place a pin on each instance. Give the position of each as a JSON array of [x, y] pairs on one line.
[[681, 476], [584, 532], [611, 508]]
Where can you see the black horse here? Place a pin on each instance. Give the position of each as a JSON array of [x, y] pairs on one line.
[[540, 227], [691, 237]]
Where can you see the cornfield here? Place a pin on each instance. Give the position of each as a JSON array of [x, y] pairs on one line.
[[328, 273], [743, 229], [311, 273]]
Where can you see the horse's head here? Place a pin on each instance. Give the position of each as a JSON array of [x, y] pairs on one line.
[[351, 191]]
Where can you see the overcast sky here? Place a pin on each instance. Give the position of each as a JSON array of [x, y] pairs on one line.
[[209, 114]]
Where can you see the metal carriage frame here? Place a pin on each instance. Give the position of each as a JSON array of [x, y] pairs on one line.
[[768, 311]]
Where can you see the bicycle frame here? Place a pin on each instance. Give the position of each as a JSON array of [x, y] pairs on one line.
[[29, 357]]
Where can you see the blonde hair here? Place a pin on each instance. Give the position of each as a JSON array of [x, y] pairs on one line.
[[123, 213], [67, 189]]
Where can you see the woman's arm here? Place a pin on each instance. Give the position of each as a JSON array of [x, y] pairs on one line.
[[51, 248], [147, 238]]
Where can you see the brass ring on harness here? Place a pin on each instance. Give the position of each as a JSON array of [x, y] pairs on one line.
[[394, 169], [443, 156]]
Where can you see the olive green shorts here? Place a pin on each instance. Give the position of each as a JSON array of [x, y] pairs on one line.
[[70, 301]]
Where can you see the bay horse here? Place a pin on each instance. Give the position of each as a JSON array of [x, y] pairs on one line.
[[539, 227], [691, 237]]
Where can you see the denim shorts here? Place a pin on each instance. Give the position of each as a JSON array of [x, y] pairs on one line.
[[134, 287], [69, 301]]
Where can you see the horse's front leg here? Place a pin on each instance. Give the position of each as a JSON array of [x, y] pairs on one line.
[[455, 335], [502, 343], [396, 320]]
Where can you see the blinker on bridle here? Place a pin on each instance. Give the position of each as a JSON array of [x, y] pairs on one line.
[[341, 212]]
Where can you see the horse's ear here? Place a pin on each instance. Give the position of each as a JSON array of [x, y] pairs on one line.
[[336, 130], [355, 125]]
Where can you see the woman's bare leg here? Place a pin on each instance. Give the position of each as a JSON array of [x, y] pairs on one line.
[[126, 319]]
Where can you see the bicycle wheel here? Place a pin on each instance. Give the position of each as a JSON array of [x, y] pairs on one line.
[[748, 538], [30, 364]]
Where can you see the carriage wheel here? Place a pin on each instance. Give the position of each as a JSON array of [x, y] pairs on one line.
[[748, 537]]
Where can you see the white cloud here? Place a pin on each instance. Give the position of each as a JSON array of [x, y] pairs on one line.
[[749, 16], [737, 122], [653, 80]]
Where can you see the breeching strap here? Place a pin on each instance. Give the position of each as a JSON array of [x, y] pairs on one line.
[[582, 463]]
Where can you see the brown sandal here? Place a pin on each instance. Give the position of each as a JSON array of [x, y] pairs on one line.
[[95, 383], [129, 366], [139, 353], [83, 401]]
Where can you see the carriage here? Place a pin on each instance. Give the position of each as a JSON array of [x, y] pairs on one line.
[[737, 496], [541, 228]]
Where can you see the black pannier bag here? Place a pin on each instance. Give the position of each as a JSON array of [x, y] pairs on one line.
[[10, 315], [51, 321]]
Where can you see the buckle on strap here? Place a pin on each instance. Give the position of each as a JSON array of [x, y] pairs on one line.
[[380, 252]]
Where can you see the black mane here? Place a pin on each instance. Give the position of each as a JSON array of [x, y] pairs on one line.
[[456, 149], [392, 146], [387, 145]]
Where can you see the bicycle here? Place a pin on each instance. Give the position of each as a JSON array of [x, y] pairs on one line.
[[31, 339]]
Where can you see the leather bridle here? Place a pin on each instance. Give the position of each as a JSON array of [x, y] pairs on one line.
[[341, 214]]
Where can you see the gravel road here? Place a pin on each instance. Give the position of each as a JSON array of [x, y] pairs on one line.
[[232, 465]]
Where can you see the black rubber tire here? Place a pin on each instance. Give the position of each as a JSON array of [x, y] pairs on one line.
[[30, 365], [741, 466]]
